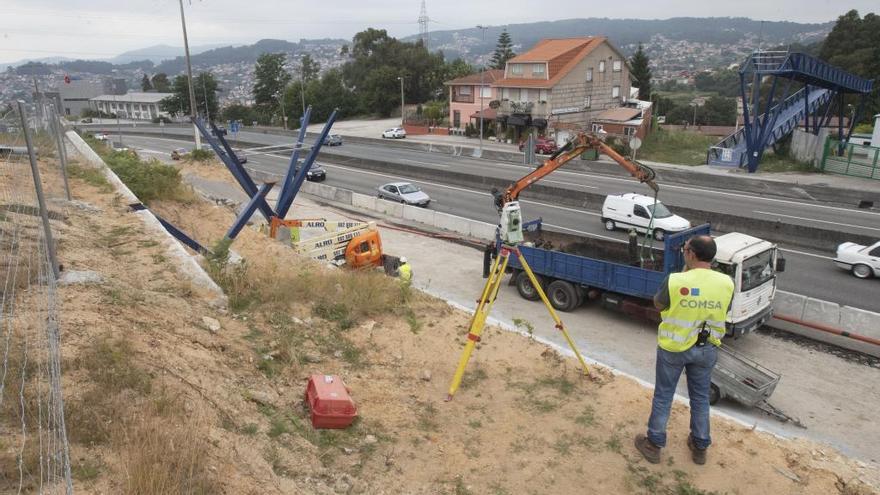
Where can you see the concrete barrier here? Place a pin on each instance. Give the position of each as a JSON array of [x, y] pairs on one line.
[[420, 215], [363, 201], [185, 263], [811, 310]]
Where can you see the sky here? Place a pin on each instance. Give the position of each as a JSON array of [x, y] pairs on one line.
[[96, 29]]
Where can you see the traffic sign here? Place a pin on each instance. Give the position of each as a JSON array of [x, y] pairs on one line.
[[635, 143]]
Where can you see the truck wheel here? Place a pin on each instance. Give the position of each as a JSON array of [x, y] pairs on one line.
[[714, 394], [659, 234], [861, 271], [525, 288], [563, 295], [609, 225]]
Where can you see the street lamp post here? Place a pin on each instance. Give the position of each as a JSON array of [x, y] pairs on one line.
[[280, 97], [482, 75], [402, 115], [189, 72]]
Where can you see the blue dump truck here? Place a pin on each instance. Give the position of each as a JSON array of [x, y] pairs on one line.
[[625, 277]]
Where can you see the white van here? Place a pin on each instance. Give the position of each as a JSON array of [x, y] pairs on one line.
[[633, 210]]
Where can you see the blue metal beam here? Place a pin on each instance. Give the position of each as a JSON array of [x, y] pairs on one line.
[[235, 168], [300, 177], [291, 167], [248, 210], [177, 233]]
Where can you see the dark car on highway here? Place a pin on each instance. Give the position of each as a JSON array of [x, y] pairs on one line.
[[316, 173], [333, 140]]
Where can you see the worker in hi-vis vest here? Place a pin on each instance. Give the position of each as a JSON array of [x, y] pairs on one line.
[[404, 271], [694, 305]]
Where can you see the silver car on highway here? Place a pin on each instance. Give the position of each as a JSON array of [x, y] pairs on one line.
[[404, 192]]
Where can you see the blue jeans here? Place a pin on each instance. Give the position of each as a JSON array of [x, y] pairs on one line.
[[698, 361]]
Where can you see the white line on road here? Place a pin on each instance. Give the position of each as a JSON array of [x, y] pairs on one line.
[[769, 213], [585, 233], [807, 254]]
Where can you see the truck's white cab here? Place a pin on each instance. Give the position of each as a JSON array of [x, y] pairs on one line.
[[752, 263], [637, 211]]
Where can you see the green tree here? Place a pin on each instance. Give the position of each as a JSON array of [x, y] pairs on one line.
[[457, 68], [854, 45], [309, 68], [244, 113], [160, 82], [377, 63], [205, 88], [503, 51], [145, 83], [641, 73], [718, 110], [271, 78]]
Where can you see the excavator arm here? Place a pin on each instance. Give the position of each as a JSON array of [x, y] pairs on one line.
[[574, 148]]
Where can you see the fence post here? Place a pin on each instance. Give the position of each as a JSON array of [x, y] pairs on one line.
[[38, 187], [59, 140]]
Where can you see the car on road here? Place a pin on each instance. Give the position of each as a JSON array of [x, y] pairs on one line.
[[862, 261], [394, 133], [117, 146], [101, 136], [640, 212], [545, 146], [404, 192], [178, 153], [316, 173], [221, 131], [333, 140]]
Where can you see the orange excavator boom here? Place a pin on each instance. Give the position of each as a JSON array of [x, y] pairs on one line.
[[574, 148]]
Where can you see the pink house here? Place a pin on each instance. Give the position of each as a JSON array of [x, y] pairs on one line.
[[465, 95]]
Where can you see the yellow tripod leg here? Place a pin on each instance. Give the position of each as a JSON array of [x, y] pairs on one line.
[[559, 325], [478, 321]]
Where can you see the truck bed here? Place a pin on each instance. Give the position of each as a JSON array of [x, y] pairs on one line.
[[602, 264]]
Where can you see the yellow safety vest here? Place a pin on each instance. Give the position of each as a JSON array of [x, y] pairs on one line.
[[405, 272], [695, 297]]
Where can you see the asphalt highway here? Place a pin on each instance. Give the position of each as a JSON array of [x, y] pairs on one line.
[[810, 273]]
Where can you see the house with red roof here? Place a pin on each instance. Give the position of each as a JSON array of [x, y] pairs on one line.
[[468, 94]]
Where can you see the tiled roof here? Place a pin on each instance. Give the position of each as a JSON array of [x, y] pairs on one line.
[[489, 77], [561, 56]]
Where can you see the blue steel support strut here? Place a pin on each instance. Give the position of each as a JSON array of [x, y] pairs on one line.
[[307, 164], [174, 231], [238, 172], [248, 211], [768, 127], [291, 167]]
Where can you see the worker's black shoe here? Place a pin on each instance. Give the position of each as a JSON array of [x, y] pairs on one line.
[[647, 448], [698, 455]]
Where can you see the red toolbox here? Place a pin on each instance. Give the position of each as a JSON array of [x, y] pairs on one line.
[[330, 402]]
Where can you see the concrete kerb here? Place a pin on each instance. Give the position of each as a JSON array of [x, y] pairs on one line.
[[186, 263]]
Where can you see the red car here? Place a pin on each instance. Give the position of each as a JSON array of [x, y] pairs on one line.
[[543, 145]]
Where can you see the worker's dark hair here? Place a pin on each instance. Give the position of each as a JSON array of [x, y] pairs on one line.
[[703, 247]]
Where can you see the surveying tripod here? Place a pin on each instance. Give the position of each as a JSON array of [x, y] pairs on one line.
[[484, 306]]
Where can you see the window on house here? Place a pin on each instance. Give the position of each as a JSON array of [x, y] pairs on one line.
[[464, 90], [505, 93], [486, 92], [596, 127], [601, 66], [516, 69], [538, 70], [544, 95], [629, 131], [456, 118], [616, 66], [589, 74], [588, 102], [615, 92]]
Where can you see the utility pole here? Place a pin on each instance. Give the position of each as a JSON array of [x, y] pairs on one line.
[[482, 75], [189, 72], [402, 118], [302, 89], [205, 87]]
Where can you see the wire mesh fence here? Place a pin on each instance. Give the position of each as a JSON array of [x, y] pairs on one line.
[[34, 451]]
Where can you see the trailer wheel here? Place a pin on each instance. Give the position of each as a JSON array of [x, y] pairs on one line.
[[563, 295], [714, 394], [525, 288]]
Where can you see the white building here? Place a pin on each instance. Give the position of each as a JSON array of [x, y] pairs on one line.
[[138, 106]]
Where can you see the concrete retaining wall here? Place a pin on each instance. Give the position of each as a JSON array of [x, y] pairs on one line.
[[186, 263], [808, 147]]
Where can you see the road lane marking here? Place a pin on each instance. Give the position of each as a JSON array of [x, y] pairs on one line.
[[806, 254], [600, 236], [768, 213]]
